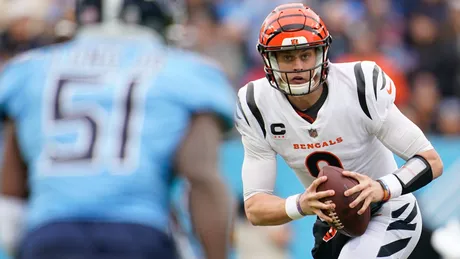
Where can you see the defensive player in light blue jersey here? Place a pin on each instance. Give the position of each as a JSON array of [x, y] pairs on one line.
[[104, 123]]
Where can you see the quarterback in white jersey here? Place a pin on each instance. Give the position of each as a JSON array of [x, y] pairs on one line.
[[313, 113]]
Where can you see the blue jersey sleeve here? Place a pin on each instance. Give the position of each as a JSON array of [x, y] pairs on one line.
[[203, 87]]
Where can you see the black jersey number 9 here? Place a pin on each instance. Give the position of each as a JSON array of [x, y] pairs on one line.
[[312, 161]]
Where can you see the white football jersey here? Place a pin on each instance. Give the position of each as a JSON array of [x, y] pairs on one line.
[[343, 134]]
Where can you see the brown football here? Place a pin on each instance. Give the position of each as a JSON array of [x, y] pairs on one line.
[[346, 219]]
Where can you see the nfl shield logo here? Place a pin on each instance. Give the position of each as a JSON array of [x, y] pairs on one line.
[[313, 133]]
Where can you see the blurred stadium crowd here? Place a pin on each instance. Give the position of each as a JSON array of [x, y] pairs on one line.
[[416, 41]]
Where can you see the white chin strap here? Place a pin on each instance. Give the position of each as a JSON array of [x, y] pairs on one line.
[[298, 89]]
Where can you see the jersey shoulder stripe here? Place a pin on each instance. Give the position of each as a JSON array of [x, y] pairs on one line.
[[240, 108], [375, 75], [249, 115], [384, 79], [370, 81], [375, 78], [361, 88], [251, 102]]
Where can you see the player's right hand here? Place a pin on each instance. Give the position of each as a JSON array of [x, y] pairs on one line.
[[310, 200]]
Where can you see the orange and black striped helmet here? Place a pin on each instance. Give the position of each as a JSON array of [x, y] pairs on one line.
[[292, 27]]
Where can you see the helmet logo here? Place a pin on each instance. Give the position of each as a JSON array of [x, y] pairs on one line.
[[294, 41]]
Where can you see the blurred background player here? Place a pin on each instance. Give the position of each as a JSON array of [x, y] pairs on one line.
[[104, 123]]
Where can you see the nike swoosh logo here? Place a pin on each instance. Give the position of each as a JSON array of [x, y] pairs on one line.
[[389, 91]]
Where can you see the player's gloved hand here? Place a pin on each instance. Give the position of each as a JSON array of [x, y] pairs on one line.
[[371, 190], [309, 200]]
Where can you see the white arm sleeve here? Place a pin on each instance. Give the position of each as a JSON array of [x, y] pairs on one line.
[[401, 135], [259, 165], [259, 169]]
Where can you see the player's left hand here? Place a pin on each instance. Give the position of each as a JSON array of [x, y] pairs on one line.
[[371, 190]]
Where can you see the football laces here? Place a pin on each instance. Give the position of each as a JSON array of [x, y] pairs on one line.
[[335, 218]]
